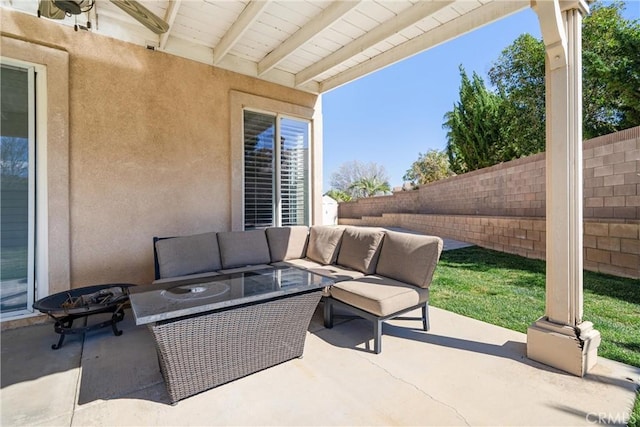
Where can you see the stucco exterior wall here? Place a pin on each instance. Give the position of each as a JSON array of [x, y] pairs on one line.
[[148, 152]]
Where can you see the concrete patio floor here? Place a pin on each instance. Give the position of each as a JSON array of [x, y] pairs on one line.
[[462, 372]]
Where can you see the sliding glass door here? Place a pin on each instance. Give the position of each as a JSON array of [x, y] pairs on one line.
[[17, 189]]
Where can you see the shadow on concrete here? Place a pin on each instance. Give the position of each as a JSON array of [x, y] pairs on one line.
[[357, 335], [116, 367], [628, 382], [359, 332], [108, 366], [595, 418], [99, 366], [27, 354]]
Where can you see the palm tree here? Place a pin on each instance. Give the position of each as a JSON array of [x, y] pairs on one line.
[[369, 187], [339, 195]]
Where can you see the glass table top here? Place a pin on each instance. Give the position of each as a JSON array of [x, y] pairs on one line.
[[164, 301]]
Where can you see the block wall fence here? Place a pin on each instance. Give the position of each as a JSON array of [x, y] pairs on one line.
[[503, 207]]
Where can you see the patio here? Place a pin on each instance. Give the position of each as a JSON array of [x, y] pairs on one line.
[[462, 372], [109, 154], [109, 159]]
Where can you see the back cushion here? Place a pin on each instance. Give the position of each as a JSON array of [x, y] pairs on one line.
[[287, 243], [241, 248], [324, 243], [410, 258], [180, 256], [360, 248]]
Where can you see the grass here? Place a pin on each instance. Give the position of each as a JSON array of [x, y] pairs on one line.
[[634, 418], [509, 291]]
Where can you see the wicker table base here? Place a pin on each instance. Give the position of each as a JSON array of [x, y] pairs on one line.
[[201, 352]]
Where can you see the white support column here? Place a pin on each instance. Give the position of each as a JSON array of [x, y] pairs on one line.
[[561, 338]]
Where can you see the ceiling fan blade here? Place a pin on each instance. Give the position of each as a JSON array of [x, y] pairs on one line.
[[47, 9], [142, 15]]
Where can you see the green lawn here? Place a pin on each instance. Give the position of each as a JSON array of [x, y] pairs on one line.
[[634, 419], [509, 291]]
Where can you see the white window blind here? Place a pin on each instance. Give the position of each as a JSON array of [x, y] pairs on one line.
[[276, 176], [294, 171]]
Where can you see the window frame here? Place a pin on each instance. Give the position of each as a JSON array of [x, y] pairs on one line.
[[37, 263], [53, 192], [277, 201], [239, 101]]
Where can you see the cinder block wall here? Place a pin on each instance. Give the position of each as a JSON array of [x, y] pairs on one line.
[[612, 175], [503, 207]]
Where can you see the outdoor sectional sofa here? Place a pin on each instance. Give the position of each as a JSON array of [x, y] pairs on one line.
[[379, 274]]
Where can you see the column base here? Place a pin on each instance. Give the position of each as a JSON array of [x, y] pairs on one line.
[[570, 349]]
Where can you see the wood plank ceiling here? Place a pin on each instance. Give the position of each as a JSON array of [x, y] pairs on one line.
[[312, 45]]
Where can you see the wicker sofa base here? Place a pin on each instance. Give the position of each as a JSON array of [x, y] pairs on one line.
[[201, 352]]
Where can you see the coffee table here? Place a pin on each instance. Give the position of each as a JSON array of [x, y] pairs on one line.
[[209, 331]]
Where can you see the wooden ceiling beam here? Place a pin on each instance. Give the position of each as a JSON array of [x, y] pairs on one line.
[[169, 18], [319, 23], [472, 20], [403, 20], [248, 16]]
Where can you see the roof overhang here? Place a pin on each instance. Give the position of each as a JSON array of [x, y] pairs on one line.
[[313, 45]]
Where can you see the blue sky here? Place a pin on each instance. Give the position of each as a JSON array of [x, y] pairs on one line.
[[391, 116]]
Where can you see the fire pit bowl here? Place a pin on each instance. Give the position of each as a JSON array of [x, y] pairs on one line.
[[67, 306]]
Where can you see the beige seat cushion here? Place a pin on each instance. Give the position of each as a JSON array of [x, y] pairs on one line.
[[379, 295], [180, 256], [360, 248], [324, 243], [335, 272], [287, 242], [409, 258], [242, 248]]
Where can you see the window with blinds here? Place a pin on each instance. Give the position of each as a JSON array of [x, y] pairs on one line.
[[259, 182], [276, 175]]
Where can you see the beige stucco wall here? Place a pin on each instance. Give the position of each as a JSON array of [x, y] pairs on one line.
[[149, 147]]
